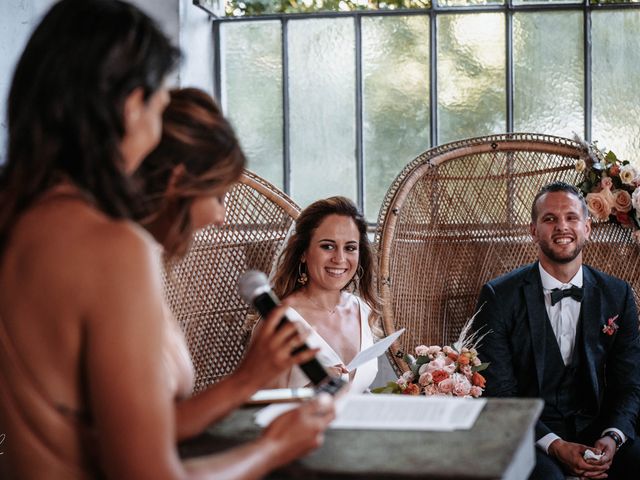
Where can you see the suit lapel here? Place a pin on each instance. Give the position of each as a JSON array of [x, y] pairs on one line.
[[591, 312], [537, 315]]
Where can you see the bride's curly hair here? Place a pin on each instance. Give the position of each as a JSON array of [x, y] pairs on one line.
[[285, 280]]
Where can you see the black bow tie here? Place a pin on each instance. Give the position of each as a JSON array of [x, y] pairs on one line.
[[573, 292]]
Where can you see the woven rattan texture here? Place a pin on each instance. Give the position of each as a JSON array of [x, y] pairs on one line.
[[458, 216], [202, 288]]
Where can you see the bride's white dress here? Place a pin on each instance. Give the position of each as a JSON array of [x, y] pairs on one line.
[[364, 374]]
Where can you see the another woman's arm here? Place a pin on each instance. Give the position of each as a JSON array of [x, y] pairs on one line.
[[267, 357], [129, 394]]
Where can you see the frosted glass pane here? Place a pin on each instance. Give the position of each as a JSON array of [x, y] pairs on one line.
[[252, 92], [322, 108], [462, 3], [395, 53], [616, 70], [548, 73], [540, 2], [471, 76]]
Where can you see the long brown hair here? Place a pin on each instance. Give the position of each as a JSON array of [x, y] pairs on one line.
[[285, 280], [196, 136], [66, 104]]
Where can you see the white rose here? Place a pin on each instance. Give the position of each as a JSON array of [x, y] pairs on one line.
[[628, 174]]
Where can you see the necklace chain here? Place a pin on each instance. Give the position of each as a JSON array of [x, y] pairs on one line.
[[329, 310]]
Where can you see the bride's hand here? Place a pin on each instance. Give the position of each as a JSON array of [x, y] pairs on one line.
[[337, 370]]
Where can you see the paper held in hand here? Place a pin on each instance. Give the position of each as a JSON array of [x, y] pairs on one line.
[[374, 351], [395, 412]]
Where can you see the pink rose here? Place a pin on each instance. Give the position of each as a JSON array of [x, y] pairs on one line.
[[466, 371], [433, 350], [421, 350], [461, 385], [447, 350], [425, 379], [476, 391], [431, 389], [440, 363], [446, 386], [606, 183], [598, 206], [622, 201]]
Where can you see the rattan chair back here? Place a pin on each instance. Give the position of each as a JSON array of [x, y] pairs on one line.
[[458, 215], [202, 288]]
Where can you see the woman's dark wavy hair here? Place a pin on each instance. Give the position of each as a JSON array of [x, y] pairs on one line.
[[196, 136], [66, 103], [286, 276]]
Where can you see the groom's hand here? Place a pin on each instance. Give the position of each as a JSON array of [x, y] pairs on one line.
[[571, 455]]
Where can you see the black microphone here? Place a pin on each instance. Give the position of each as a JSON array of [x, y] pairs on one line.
[[254, 289]]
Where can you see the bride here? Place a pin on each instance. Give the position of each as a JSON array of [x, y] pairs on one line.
[[326, 259]]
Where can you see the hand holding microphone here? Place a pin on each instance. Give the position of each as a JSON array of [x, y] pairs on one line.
[[254, 289]]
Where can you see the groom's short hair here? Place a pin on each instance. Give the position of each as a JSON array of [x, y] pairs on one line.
[[558, 186]]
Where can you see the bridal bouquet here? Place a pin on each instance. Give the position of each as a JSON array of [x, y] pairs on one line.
[[451, 370], [611, 187]]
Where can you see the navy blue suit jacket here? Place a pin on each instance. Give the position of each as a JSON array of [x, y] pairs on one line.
[[512, 309]]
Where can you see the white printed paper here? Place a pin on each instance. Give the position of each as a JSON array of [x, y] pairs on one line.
[[394, 412], [374, 351]]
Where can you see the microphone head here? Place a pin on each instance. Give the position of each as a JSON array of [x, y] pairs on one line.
[[251, 284]]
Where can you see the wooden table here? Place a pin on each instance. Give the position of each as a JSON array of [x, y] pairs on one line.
[[499, 446]]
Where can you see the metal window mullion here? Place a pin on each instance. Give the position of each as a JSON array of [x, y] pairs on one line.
[[360, 171], [286, 147], [588, 99], [509, 66], [217, 62], [433, 75]]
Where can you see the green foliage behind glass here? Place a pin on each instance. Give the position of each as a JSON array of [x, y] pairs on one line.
[[238, 8]]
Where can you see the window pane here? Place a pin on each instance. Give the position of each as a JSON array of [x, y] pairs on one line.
[[616, 70], [252, 92], [471, 75], [463, 3], [322, 105], [548, 73], [540, 2], [395, 53]]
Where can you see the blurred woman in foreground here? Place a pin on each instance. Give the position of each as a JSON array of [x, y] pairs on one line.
[[92, 366]]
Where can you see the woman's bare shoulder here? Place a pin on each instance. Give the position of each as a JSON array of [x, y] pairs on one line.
[[74, 250]]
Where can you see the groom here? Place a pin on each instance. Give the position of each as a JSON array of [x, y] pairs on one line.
[[567, 333]]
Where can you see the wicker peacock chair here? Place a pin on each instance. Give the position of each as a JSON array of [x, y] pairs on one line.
[[458, 215], [202, 288]]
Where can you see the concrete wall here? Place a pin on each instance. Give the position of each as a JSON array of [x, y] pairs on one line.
[[187, 26]]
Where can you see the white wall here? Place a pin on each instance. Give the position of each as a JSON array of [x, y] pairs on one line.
[[186, 25]]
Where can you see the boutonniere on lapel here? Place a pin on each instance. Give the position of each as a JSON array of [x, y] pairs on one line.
[[611, 326]]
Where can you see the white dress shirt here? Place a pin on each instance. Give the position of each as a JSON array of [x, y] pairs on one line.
[[564, 316]]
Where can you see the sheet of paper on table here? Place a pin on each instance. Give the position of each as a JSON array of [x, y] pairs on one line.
[[394, 412], [374, 351]]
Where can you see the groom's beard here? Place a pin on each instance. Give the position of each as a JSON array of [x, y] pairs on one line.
[[561, 257]]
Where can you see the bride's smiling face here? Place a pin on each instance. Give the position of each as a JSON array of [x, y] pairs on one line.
[[333, 253]]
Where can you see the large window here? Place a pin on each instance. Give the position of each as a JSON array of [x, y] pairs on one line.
[[338, 103]]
